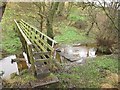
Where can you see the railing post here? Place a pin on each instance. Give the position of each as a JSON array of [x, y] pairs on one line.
[[56, 54], [27, 46], [30, 55]]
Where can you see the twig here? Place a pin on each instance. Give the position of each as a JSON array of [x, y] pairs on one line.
[[108, 15], [34, 18]]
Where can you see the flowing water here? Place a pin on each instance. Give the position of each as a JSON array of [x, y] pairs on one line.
[[77, 53], [74, 53]]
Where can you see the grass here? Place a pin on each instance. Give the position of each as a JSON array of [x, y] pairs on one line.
[[10, 42], [71, 35], [75, 14], [75, 17], [108, 63], [90, 75], [19, 80]]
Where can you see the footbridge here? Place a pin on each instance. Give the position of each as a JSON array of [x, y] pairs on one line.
[[40, 54]]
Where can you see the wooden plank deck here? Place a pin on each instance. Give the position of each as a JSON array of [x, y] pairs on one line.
[[51, 79]]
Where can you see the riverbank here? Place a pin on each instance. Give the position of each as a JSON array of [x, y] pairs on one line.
[[99, 72]]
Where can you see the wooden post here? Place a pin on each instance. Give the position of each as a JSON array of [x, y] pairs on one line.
[[57, 55], [30, 55], [38, 38], [28, 47]]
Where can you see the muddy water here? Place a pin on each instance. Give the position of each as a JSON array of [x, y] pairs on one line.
[[7, 67]]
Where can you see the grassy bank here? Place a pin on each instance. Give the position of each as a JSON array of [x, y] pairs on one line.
[[98, 72], [10, 41], [93, 74], [71, 35]]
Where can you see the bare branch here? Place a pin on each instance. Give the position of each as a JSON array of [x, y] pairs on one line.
[[108, 15], [34, 18], [41, 14]]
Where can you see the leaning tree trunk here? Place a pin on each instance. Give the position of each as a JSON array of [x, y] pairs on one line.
[[87, 34]]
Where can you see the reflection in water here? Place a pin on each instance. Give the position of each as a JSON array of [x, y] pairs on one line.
[[8, 67]]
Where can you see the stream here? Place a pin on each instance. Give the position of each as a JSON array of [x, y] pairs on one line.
[[73, 53], [76, 52]]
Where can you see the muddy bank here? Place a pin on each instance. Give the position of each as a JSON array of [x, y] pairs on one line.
[[3, 54]]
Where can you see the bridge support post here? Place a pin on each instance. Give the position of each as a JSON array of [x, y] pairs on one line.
[[58, 57], [31, 59]]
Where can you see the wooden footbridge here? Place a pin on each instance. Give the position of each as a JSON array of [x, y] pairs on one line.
[[34, 43]]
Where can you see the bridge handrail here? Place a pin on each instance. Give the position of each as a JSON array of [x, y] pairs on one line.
[[37, 51], [26, 39], [40, 32], [28, 46]]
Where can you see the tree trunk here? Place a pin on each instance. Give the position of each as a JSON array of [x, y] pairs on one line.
[[60, 9], [68, 9], [49, 23], [41, 23], [90, 29]]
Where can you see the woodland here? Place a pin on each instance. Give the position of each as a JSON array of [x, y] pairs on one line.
[[94, 24]]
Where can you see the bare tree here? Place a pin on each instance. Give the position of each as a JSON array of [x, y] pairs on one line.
[[111, 11], [40, 13], [108, 35], [106, 21], [46, 13], [49, 20]]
